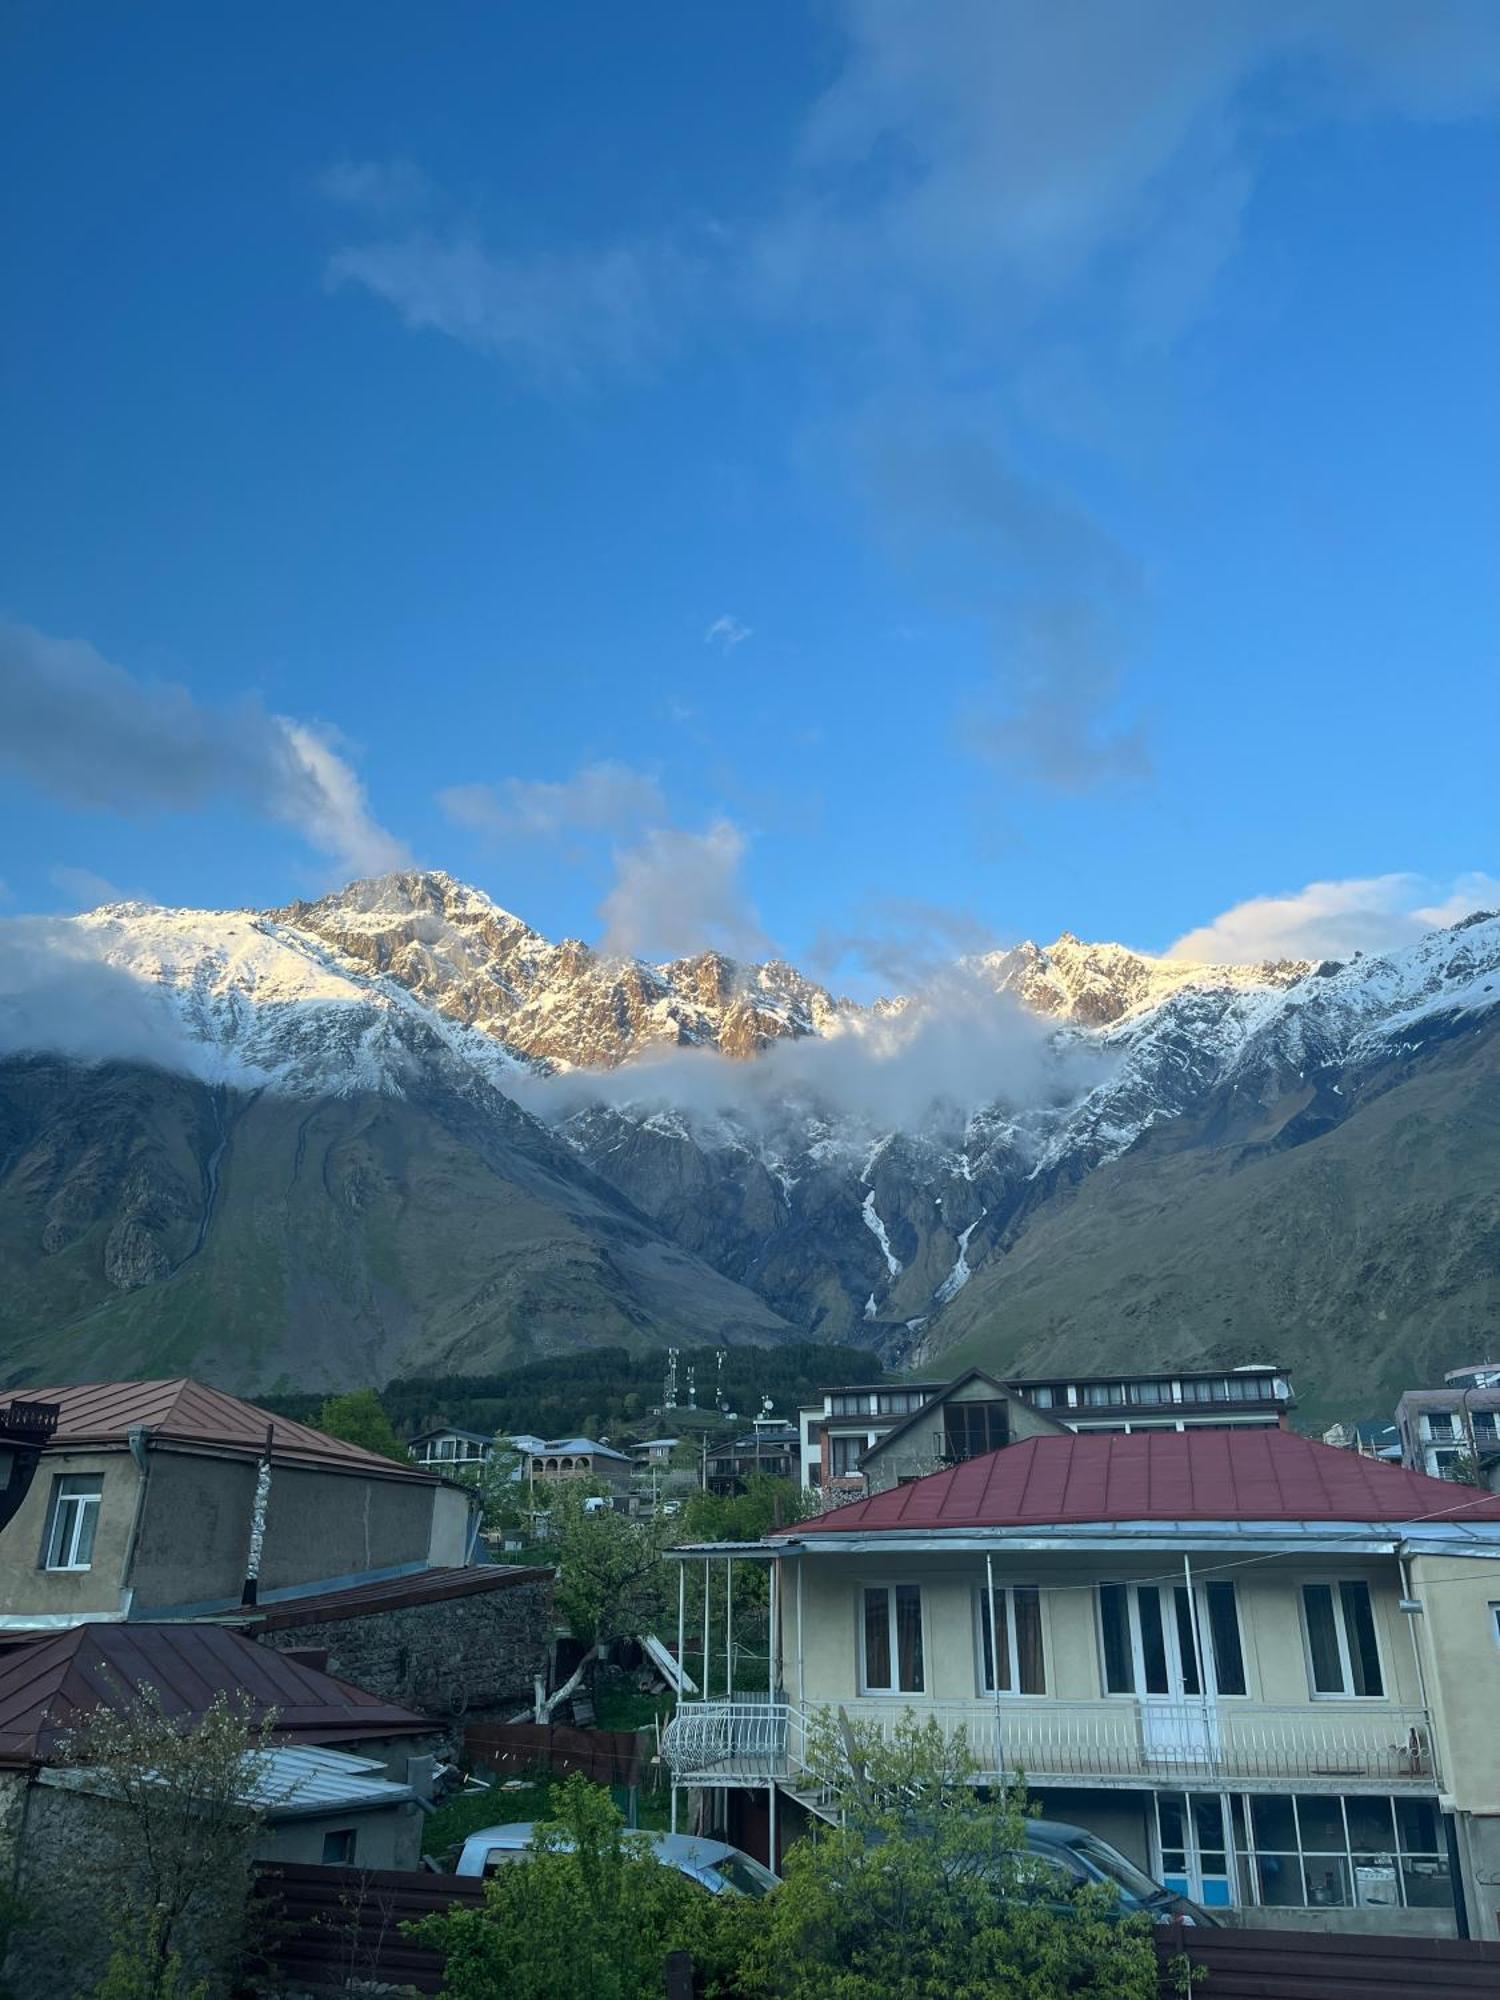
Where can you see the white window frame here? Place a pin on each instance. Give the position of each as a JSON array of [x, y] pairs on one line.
[[82, 1504], [894, 1692], [1333, 1585], [1005, 1610], [1208, 1665]]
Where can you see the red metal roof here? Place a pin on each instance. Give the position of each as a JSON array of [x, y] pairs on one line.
[[394, 1593], [48, 1686], [1194, 1475], [189, 1412]]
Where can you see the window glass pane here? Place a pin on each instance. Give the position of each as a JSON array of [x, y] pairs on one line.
[[877, 1639], [1001, 1639], [1273, 1823], [909, 1637], [1172, 1825], [1417, 1822], [1425, 1883], [1033, 1678], [1359, 1630], [1322, 1638], [1119, 1675], [1370, 1828], [1327, 1878], [83, 1546], [1187, 1641], [1321, 1819], [1224, 1633], [1280, 1877], [1153, 1639]]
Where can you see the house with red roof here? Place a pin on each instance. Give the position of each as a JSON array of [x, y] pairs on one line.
[[1265, 1669]]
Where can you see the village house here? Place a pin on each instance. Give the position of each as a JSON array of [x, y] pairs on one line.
[[565, 1459], [132, 1501], [1454, 1431], [1265, 1669], [841, 1435]]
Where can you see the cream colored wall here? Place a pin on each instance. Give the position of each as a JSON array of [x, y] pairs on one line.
[[26, 1589], [1461, 1658], [1269, 1610]]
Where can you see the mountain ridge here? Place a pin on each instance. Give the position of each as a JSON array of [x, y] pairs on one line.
[[739, 1119]]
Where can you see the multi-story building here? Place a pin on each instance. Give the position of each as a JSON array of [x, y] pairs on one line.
[[578, 1458], [442, 1450], [1266, 1669], [1448, 1431], [841, 1435]]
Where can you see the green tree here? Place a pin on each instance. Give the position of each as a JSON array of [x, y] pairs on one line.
[[926, 1893], [170, 1858], [611, 1580], [591, 1915], [766, 1503], [359, 1418], [502, 1492]]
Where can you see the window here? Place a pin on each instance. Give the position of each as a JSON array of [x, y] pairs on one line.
[[851, 1405], [1343, 1657], [845, 1454], [1018, 1640], [75, 1515], [891, 1639], [1153, 1636], [1342, 1852], [339, 1847], [972, 1429]]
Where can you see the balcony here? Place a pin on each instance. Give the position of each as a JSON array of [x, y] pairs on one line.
[[1322, 1746]]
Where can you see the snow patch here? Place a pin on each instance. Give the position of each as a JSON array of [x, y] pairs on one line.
[[877, 1229]]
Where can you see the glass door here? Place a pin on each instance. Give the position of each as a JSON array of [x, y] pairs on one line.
[[1157, 1646], [1192, 1847]]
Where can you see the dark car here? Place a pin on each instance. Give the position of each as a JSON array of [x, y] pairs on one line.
[[1074, 1858]]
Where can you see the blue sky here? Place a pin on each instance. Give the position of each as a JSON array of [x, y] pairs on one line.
[[859, 480]]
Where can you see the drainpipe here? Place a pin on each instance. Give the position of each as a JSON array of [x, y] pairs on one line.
[[1456, 1855], [258, 1521], [139, 1440]]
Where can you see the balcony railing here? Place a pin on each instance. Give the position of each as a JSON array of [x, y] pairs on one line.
[[1321, 1746]]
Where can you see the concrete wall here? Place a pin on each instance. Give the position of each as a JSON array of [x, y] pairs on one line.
[[387, 1837], [195, 1530], [453, 1509], [461, 1655], [27, 1588], [1460, 1641]]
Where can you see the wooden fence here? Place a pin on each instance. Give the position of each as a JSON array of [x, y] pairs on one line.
[[331, 1929], [608, 1756]]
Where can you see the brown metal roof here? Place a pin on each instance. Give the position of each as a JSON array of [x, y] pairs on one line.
[[182, 1411], [395, 1593], [49, 1686]]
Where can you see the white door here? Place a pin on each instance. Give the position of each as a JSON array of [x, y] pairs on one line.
[[1193, 1853], [1173, 1675]]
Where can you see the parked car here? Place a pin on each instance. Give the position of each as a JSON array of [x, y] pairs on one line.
[[1074, 1857], [722, 1870]]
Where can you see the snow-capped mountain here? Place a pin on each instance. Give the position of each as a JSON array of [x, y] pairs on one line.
[[1062, 1152]]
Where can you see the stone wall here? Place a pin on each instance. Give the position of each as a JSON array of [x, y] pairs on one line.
[[453, 1657]]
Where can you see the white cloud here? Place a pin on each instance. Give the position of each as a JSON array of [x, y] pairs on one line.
[[727, 632], [606, 797], [677, 892], [1336, 919], [384, 188], [85, 889], [90, 733]]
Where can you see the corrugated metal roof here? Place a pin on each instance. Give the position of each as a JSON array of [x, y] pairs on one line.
[[50, 1685], [395, 1593], [189, 1412], [286, 1784], [1193, 1475]]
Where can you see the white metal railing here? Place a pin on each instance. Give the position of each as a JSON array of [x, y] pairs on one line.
[[1318, 1745]]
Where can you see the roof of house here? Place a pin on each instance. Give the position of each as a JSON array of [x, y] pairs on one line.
[[289, 1783], [936, 1402], [453, 1431], [579, 1447], [1191, 1475], [49, 1685], [181, 1411], [392, 1593]]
